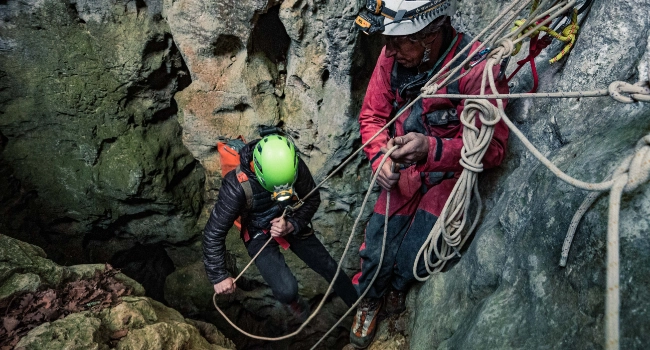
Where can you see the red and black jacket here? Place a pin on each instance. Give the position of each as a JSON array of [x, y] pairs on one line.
[[391, 88]]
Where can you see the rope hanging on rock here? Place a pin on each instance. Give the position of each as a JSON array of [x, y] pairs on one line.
[[448, 230]]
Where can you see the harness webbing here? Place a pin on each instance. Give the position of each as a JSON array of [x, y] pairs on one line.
[[246, 186]]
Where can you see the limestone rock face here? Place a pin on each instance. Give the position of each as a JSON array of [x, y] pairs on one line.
[[136, 323], [290, 64], [91, 146], [507, 291]]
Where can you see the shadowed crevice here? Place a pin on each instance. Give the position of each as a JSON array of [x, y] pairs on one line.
[[270, 37], [148, 264]]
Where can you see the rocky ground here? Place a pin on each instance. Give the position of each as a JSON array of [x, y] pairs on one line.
[[47, 306]]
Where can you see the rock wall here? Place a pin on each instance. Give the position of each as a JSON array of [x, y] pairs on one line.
[[92, 157], [297, 65], [507, 291]]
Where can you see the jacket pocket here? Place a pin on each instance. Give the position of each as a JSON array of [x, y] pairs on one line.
[[442, 117]]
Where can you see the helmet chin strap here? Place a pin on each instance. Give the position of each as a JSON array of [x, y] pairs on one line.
[[426, 56]]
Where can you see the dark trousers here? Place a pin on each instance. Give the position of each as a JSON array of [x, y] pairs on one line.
[[405, 236], [309, 249]]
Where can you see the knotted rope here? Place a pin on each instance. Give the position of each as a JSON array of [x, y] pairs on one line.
[[447, 232], [633, 171], [452, 219]]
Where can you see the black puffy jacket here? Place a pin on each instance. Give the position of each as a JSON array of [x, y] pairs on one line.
[[231, 203]]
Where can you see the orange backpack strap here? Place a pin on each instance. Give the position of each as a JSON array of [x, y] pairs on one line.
[[246, 185]]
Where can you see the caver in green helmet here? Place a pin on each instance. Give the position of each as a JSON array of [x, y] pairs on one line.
[[276, 165]]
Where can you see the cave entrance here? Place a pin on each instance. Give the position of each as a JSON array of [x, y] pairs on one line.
[[270, 37], [148, 264]]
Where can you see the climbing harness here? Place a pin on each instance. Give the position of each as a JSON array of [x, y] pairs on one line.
[[447, 237]]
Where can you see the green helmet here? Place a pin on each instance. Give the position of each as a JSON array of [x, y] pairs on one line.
[[276, 165]]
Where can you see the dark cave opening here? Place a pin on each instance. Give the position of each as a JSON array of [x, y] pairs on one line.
[[140, 4], [3, 142], [270, 37], [73, 12], [325, 76], [148, 264]]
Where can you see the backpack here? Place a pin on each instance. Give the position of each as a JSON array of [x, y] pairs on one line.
[[229, 154]]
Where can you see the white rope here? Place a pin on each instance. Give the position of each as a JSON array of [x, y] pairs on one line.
[[338, 268], [451, 223]]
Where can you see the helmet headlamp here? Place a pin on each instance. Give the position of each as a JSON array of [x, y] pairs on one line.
[[409, 15], [282, 193]]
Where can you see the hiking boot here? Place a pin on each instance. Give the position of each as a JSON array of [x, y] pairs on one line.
[[299, 309], [395, 302], [364, 324]]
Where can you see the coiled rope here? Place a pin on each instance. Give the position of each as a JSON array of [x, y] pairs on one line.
[[452, 220]]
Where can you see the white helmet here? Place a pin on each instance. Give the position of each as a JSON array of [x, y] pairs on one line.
[[402, 17]]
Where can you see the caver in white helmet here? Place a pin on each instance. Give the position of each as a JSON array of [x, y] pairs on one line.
[[402, 17]]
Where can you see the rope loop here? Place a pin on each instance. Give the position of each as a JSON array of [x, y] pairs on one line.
[[638, 168], [645, 95], [507, 46], [637, 92], [477, 139], [467, 163], [489, 114], [431, 89]]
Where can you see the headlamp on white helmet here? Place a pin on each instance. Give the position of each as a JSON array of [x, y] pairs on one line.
[[402, 17]]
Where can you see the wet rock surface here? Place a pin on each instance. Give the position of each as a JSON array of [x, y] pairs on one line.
[[92, 160]]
